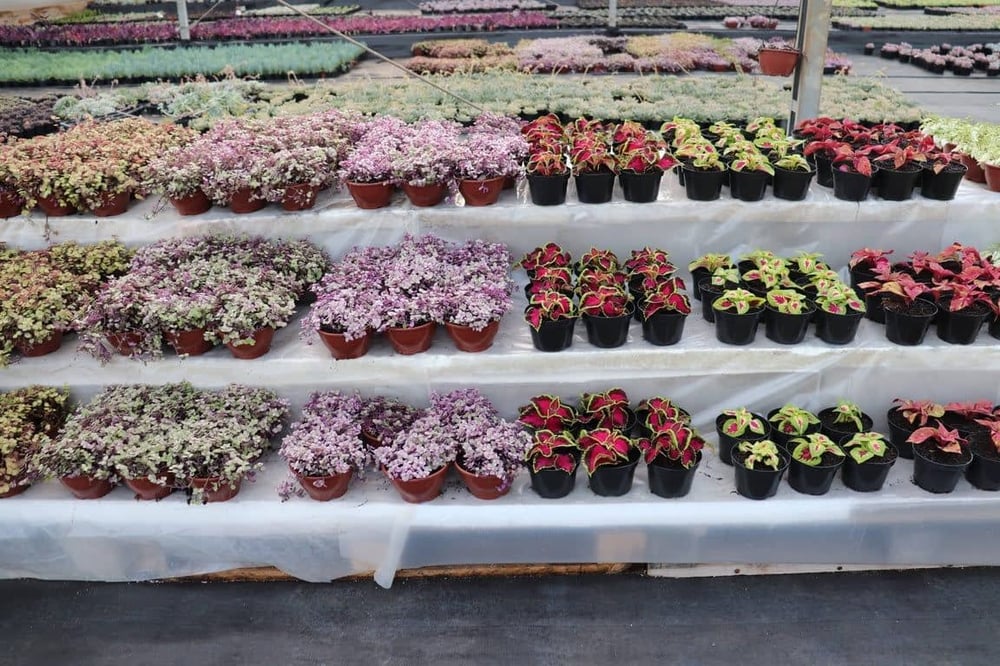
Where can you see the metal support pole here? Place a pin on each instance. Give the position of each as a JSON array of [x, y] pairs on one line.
[[613, 18], [182, 21], [810, 39]]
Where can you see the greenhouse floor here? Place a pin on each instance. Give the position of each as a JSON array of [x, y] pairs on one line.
[[920, 617]]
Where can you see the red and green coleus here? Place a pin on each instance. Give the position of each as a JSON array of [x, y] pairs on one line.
[[542, 128], [605, 301], [711, 262], [549, 306], [870, 259], [853, 160], [808, 263], [993, 425], [546, 256], [901, 287], [793, 420], [547, 412], [919, 412], [592, 278], [553, 451], [788, 301], [838, 298], [603, 446], [738, 301], [941, 438], [561, 277], [590, 153], [647, 256], [741, 421], [609, 409], [668, 296], [643, 154], [848, 412], [865, 446], [970, 409], [676, 441], [959, 296], [810, 449], [595, 258], [769, 275], [659, 412]]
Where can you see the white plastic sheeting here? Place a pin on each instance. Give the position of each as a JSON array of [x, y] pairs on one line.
[[48, 535]]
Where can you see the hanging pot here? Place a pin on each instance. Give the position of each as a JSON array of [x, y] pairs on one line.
[[703, 185], [607, 332], [46, 346], [896, 185], [747, 185], [811, 480], [411, 340], [595, 188], [786, 328], [147, 490], [325, 488], [52, 208], [214, 489], [369, 196], [188, 343], [425, 196], [484, 487], [777, 62], [246, 200], [467, 339], [850, 186], [11, 203], [737, 329], [416, 491], [668, 479], [86, 487], [984, 470], [664, 328], [791, 185], [758, 484], [343, 349], [938, 476], [261, 345], [640, 187], [553, 335], [869, 476], [301, 196], [193, 204], [974, 171], [552, 483], [111, 205], [908, 325], [614, 480], [838, 329], [483, 192], [726, 442], [962, 326], [944, 185], [548, 190]]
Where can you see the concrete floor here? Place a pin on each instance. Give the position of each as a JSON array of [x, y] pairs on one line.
[[918, 617]]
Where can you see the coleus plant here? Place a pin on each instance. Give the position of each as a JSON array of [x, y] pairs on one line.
[[603, 446], [592, 278], [970, 409], [676, 441], [902, 287], [959, 296], [549, 306], [810, 449], [738, 301], [605, 301], [558, 278], [941, 438], [647, 256], [807, 263], [609, 409], [848, 412], [869, 259], [740, 422], [839, 299], [762, 454], [595, 258], [769, 275], [919, 412], [711, 262], [793, 420], [787, 301], [547, 162], [865, 446], [644, 154], [547, 412], [659, 412], [590, 153], [547, 256], [993, 426], [667, 297], [854, 161], [552, 451], [751, 161]]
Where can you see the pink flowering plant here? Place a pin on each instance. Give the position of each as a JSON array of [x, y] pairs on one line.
[[427, 154], [382, 418]]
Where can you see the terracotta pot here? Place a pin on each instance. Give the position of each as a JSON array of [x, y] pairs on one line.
[[371, 195], [299, 197], [325, 488], [146, 490], [777, 62], [11, 203], [47, 346], [14, 490], [468, 339], [193, 204], [343, 349], [992, 172], [262, 344], [112, 204], [484, 487], [86, 487], [408, 341], [975, 174], [190, 343], [481, 192], [425, 196], [245, 201], [124, 343], [421, 490], [50, 206], [224, 493]]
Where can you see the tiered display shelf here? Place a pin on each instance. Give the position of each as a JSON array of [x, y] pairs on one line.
[[49, 535]]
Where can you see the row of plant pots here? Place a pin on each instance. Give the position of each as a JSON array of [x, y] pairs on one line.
[[977, 144], [962, 61], [28, 418]]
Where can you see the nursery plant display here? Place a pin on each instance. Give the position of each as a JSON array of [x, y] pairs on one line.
[[977, 145], [29, 417], [869, 458], [815, 461], [940, 457], [759, 466], [737, 425]]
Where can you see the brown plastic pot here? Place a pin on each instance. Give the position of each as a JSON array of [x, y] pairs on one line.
[[371, 195], [47, 346], [343, 349], [299, 197], [51, 207], [261, 345], [190, 343], [975, 174], [112, 204], [424, 196], [416, 491], [245, 200], [777, 62], [146, 490], [325, 488], [484, 487], [992, 172], [467, 339], [193, 204], [11, 203], [409, 341], [124, 343], [86, 487], [224, 493], [481, 192]]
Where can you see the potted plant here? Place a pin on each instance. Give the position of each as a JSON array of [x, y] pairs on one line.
[[792, 176], [424, 166], [777, 58], [484, 163], [178, 175], [249, 313], [88, 472], [552, 317], [713, 287], [294, 176], [815, 461], [367, 170], [984, 470], [491, 452], [908, 415], [943, 173], [610, 458], [183, 315], [41, 302], [417, 460], [869, 459], [844, 418], [594, 165], [479, 295], [672, 453], [552, 463], [343, 313], [29, 417], [234, 172], [790, 421], [907, 316], [704, 267], [900, 169], [704, 171], [940, 457], [758, 467], [656, 413], [607, 313], [962, 309], [737, 313], [383, 418], [748, 175], [788, 316], [739, 425], [664, 312], [547, 412], [865, 264], [115, 320], [642, 158], [852, 174], [606, 409], [547, 174]]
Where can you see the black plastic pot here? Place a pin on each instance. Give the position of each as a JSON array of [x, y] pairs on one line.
[[961, 327], [640, 187], [552, 483], [703, 185], [870, 476], [547, 190], [709, 293], [607, 332], [838, 431], [936, 477], [837, 329], [747, 185], [875, 307], [553, 335], [908, 327], [669, 481], [664, 328], [726, 443], [983, 472], [697, 275], [942, 186], [850, 186], [737, 329], [614, 480], [896, 185], [811, 480], [791, 185], [785, 328], [899, 431], [859, 275], [595, 188], [759, 484], [824, 170]]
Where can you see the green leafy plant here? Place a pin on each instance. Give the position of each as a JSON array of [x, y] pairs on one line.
[[787, 301], [793, 420], [741, 421], [762, 454], [739, 301], [811, 448], [849, 413], [865, 446]]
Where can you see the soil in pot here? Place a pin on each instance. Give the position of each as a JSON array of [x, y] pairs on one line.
[[214, 489], [86, 487], [483, 487], [547, 190], [942, 186], [726, 443], [190, 343], [147, 490], [245, 201], [869, 476], [664, 328], [299, 197], [343, 349], [595, 188], [10, 203], [785, 328], [417, 491], [412, 340], [936, 471], [553, 335], [669, 479], [908, 324], [962, 326], [984, 470], [262, 339], [425, 196], [850, 186], [791, 185], [703, 185], [481, 192], [325, 488], [837, 329], [737, 329], [467, 339], [615, 480], [640, 187], [113, 204], [837, 431], [607, 332], [814, 480], [369, 196], [897, 185], [46, 346], [747, 185], [552, 483], [757, 484], [193, 204]]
